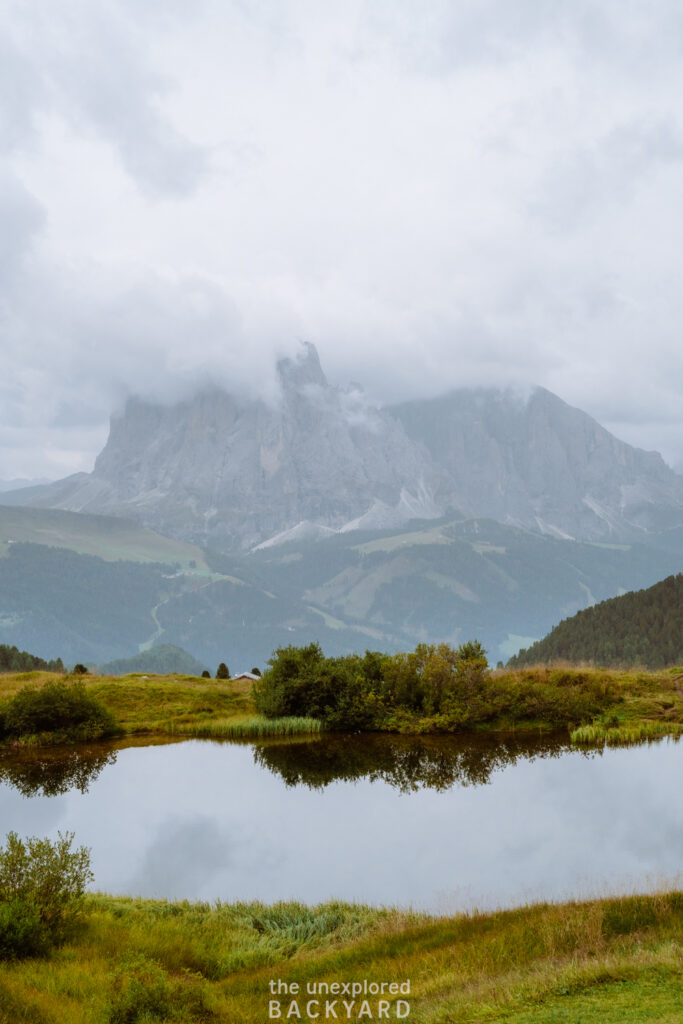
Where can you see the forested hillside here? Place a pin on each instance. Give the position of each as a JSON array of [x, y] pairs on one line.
[[14, 660], [644, 627]]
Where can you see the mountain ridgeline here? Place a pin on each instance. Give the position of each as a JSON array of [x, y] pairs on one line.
[[234, 474], [640, 628], [231, 526]]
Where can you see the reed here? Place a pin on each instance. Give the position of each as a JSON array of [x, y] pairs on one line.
[[624, 735], [247, 728]]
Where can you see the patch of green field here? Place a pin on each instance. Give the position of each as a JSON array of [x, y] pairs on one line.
[[154, 704], [108, 537], [404, 540]]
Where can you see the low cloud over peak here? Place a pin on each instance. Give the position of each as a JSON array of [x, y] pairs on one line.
[[470, 194]]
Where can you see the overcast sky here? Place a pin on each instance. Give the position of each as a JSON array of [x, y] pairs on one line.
[[435, 193]]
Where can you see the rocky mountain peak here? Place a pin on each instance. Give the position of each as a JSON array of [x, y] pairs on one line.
[[295, 373], [232, 473]]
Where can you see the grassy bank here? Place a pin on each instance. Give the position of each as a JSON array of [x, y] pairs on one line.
[[160, 705], [612, 960], [595, 705]]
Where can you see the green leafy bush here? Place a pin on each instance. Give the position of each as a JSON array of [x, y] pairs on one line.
[[435, 688], [21, 930], [61, 708], [42, 884], [144, 992]]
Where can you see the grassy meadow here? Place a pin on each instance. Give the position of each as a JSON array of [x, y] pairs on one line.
[[628, 706], [613, 961]]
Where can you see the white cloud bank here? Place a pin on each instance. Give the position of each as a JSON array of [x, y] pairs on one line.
[[436, 194]]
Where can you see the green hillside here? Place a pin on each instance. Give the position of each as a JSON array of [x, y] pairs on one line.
[[640, 628], [110, 538], [439, 581], [162, 660], [449, 581]]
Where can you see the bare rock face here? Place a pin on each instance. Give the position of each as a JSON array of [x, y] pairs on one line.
[[233, 473], [237, 474], [537, 462]]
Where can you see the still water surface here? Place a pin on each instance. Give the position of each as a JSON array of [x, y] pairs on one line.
[[436, 823]]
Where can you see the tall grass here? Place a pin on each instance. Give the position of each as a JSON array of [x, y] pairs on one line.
[[624, 735], [603, 960], [247, 728]]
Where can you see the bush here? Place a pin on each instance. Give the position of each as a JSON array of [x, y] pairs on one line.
[[353, 693], [58, 707], [143, 991], [206, 674], [42, 885], [21, 930]]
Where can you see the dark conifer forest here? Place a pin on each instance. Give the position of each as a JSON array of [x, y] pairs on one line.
[[643, 627]]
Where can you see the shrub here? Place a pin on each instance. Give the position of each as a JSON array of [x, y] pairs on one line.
[[57, 707], [21, 930], [143, 991], [42, 885], [206, 674]]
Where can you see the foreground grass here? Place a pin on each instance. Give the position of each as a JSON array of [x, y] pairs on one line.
[[612, 960]]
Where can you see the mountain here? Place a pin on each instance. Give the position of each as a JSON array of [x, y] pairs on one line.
[[642, 628], [449, 579], [536, 462], [232, 473], [14, 485]]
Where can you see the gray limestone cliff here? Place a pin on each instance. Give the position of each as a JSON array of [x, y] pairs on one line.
[[536, 462], [237, 473]]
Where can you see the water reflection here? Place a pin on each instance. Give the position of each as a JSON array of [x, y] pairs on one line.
[[53, 772], [434, 822], [407, 763]]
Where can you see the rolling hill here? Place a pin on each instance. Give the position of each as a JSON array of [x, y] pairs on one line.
[[448, 579]]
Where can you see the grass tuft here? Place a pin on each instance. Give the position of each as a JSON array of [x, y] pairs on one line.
[[624, 735], [248, 728]]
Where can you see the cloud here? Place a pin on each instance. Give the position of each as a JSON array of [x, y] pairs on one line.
[[437, 196], [86, 66]]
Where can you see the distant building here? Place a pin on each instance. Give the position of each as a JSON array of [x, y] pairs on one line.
[[246, 675]]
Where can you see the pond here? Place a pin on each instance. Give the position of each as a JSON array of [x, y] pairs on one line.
[[437, 823]]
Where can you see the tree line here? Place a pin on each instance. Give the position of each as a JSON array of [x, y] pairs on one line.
[[643, 627], [14, 660]]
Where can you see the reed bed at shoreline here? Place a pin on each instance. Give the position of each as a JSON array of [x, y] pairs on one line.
[[624, 735], [248, 728]]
